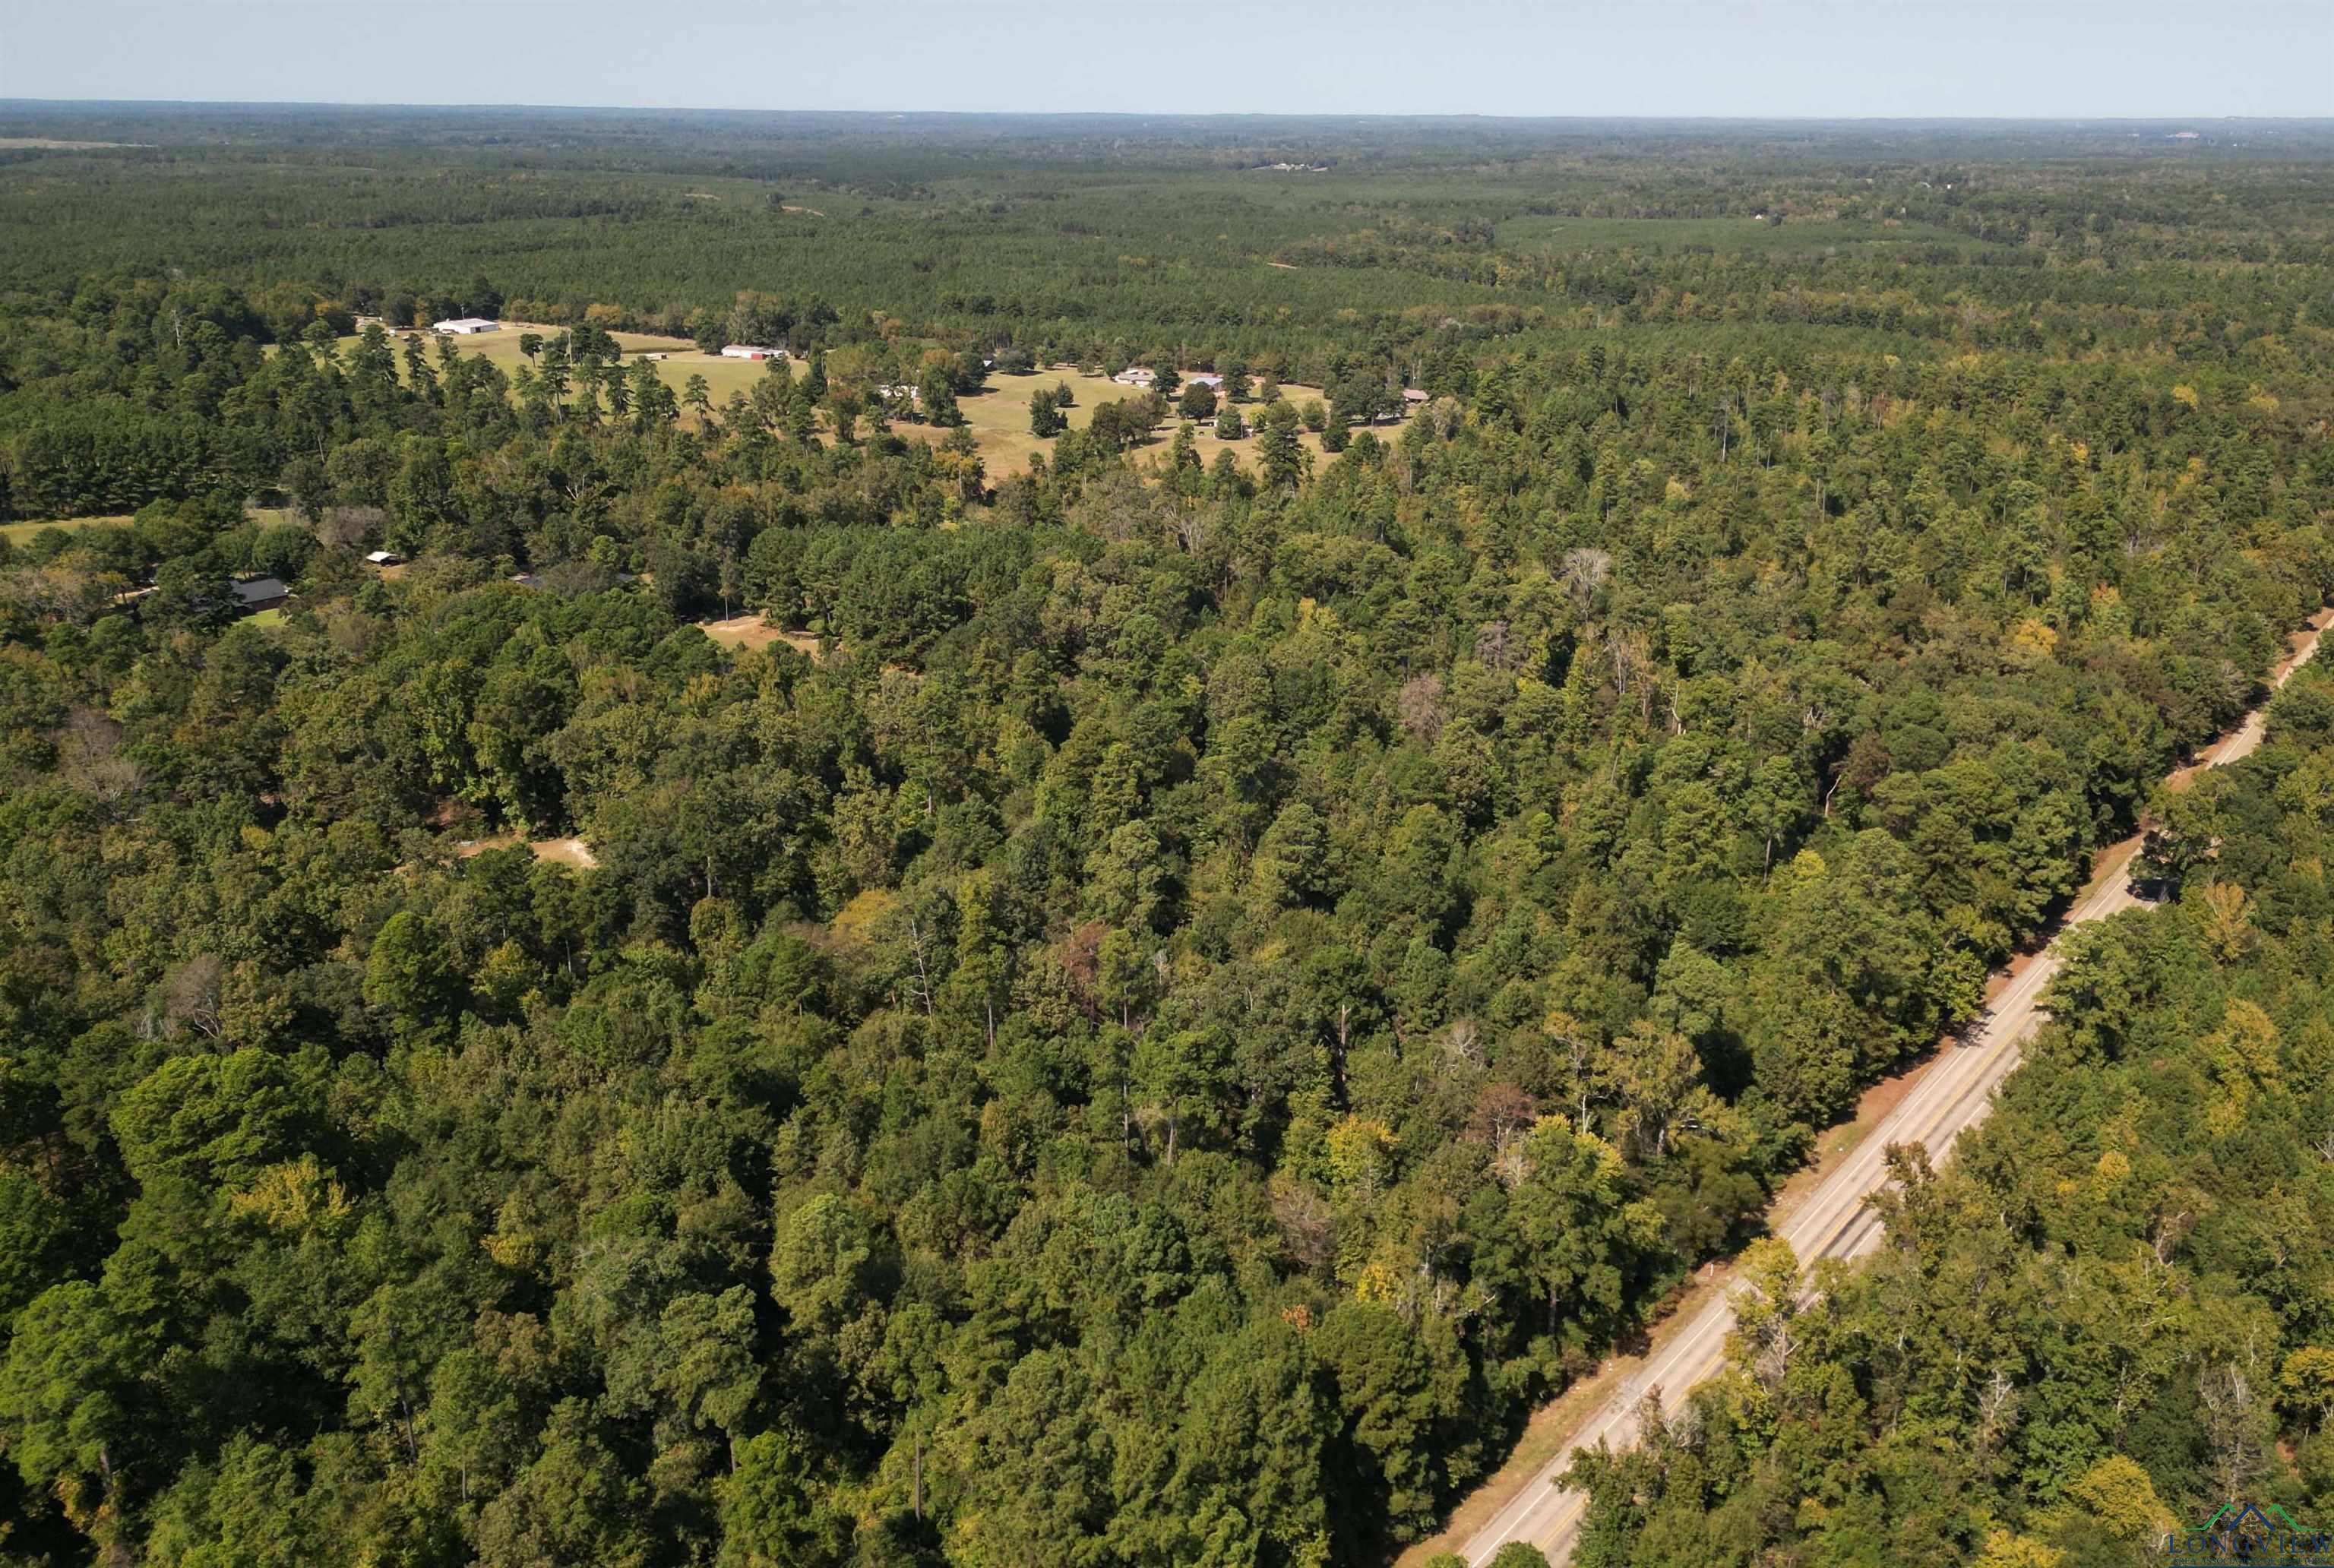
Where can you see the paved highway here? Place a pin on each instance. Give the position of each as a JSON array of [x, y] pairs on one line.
[[1955, 1093]]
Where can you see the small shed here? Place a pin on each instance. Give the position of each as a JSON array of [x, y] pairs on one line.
[[253, 594], [384, 558], [1411, 397], [466, 326]]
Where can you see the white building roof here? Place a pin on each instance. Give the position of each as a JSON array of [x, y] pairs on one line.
[[464, 324]]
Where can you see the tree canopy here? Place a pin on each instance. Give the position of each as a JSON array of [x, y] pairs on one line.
[[1138, 1011]]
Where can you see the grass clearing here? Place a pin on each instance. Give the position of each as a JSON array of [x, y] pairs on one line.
[[998, 416], [21, 533], [751, 632], [1000, 421], [678, 360]]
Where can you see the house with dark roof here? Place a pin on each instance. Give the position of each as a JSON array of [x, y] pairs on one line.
[[253, 594]]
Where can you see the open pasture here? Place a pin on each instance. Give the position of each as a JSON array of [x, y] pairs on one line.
[[21, 533], [998, 419], [997, 416]]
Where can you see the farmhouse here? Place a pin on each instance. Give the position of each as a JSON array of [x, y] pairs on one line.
[[464, 326], [1135, 376], [750, 351], [1413, 400], [253, 594], [1206, 378]]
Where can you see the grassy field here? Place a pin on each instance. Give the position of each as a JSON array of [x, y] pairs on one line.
[[999, 417], [22, 533], [999, 420], [681, 358]]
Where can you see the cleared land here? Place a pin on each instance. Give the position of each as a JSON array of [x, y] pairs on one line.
[[23, 533], [563, 852], [1000, 421], [999, 417], [751, 632], [681, 358]]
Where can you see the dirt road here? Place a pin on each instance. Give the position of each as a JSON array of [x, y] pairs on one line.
[[1955, 1093]]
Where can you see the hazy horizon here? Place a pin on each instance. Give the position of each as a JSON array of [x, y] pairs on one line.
[[1920, 60], [911, 112]]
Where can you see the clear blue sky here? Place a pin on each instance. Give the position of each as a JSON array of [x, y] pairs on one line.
[[2020, 58]]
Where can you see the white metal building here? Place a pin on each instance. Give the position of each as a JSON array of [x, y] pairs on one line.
[[462, 326], [750, 351]]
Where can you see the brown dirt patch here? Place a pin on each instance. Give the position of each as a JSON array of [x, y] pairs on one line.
[[562, 852], [751, 632]]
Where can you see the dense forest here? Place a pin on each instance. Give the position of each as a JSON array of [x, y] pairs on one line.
[[2113, 1303], [1186, 1001]]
